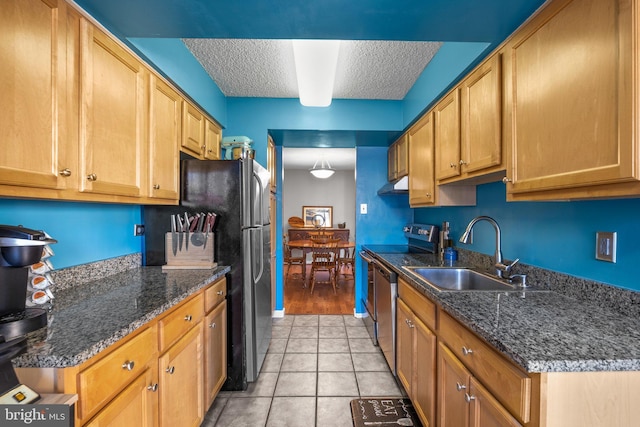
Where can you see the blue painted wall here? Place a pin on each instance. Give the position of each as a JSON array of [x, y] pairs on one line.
[[85, 232], [386, 214], [558, 236]]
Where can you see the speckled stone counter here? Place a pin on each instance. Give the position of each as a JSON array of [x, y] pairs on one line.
[[539, 330], [86, 319]]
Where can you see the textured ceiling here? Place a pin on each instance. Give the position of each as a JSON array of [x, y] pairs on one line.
[[265, 68]]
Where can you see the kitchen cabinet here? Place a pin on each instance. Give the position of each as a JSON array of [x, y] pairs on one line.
[[463, 401], [212, 140], [447, 136], [573, 101], [113, 114], [165, 119], [180, 381], [422, 186], [193, 122], [37, 125], [416, 352], [398, 159], [215, 341]]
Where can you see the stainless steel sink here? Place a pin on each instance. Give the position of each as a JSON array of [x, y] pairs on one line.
[[458, 279]]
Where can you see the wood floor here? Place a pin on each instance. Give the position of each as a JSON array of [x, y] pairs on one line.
[[298, 298]]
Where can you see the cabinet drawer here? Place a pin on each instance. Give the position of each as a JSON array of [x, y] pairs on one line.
[[104, 379], [179, 321], [422, 307], [215, 294], [505, 381]]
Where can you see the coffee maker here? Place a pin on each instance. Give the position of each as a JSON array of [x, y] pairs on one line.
[[19, 248]]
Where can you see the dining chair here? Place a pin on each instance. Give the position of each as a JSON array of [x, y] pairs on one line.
[[324, 257], [346, 262], [290, 260]]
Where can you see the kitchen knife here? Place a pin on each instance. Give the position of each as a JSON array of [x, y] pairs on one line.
[[207, 228], [174, 238], [186, 230], [180, 231]]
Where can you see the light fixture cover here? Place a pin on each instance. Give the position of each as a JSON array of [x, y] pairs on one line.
[[324, 171], [316, 62]]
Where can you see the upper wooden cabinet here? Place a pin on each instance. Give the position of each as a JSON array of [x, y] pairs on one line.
[[398, 158], [447, 136], [165, 118], [192, 130], [113, 116], [573, 102], [33, 83], [212, 140]]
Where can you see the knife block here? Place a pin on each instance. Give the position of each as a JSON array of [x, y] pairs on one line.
[[191, 257]]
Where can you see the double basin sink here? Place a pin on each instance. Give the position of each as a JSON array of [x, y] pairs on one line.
[[459, 279]]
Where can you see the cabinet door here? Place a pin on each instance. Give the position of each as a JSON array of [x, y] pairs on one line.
[[404, 345], [573, 98], [192, 130], [392, 163], [112, 116], [402, 156], [447, 136], [33, 87], [212, 140], [423, 394], [486, 411], [135, 406], [453, 383], [165, 117], [271, 164], [181, 382], [481, 118], [421, 162], [215, 360]]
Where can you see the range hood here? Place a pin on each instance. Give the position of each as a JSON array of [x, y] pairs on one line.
[[400, 186]]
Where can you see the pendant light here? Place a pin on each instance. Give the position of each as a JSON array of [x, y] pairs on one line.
[[324, 171]]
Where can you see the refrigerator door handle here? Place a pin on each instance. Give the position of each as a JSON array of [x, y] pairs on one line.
[[256, 277], [260, 198]]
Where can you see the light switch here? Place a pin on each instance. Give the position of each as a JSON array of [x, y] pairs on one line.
[[363, 208]]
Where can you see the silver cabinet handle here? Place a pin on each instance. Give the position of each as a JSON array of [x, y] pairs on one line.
[[506, 180], [128, 365], [462, 162], [153, 387], [466, 351], [220, 292], [469, 398], [188, 318], [170, 370], [92, 177], [156, 187], [213, 325], [460, 387], [452, 165], [65, 172]]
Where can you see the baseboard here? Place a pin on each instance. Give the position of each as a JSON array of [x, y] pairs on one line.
[[278, 314], [359, 315]]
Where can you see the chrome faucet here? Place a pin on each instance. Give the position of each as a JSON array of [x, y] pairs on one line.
[[502, 270]]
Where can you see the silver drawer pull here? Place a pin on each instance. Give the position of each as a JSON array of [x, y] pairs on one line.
[[469, 398], [460, 387], [466, 351], [213, 325], [92, 177], [188, 318], [156, 187], [170, 370], [65, 172], [128, 365], [220, 292], [153, 387]]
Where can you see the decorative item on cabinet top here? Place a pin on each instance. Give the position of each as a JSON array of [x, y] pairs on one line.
[[236, 147]]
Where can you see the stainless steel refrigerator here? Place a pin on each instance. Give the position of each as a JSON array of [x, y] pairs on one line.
[[237, 191]]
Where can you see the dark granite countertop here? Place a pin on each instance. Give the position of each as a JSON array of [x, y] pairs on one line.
[[88, 318], [539, 330]]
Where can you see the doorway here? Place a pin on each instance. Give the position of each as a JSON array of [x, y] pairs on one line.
[[301, 189]]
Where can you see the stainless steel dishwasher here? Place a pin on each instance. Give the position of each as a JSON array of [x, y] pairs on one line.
[[371, 321], [386, 291]]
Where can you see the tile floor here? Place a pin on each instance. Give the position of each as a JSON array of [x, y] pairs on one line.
[[315, 366]]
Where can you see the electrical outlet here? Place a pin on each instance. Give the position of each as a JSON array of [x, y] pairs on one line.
[[138, 229], [363, 208], [606, 246]]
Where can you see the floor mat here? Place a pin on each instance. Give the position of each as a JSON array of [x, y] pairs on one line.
[[383, 411]]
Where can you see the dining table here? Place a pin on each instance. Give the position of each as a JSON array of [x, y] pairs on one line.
[[307, 245]]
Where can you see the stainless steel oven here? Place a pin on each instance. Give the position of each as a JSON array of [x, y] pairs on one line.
[[370, 301]]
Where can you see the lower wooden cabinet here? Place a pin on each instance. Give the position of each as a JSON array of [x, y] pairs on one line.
[[180, 378], [215, 351]]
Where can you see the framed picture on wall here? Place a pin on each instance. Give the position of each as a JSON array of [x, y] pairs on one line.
[[318, 216]]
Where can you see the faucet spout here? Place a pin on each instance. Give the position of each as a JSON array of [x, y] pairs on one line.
[[498, 254]]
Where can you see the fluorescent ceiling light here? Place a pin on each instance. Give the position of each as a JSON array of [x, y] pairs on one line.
[[316, 62], [324, 171]]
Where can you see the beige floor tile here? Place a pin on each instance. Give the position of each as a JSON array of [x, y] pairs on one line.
[[292, 412]]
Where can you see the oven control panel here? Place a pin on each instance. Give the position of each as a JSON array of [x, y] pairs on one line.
[[424, 232]]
